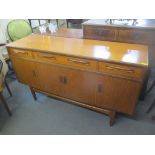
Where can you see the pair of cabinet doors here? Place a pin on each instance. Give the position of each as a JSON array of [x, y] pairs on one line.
[[98, 90]]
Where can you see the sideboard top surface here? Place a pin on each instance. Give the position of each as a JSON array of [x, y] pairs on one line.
[[92, 49]]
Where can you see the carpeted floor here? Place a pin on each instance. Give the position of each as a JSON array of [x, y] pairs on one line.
[[50, 116]]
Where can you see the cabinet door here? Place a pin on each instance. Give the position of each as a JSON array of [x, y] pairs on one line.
[[79, 86], [25, 71], [117, 94], [65, 82], [50, 78]]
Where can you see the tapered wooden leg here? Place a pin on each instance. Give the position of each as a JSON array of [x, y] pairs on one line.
[[112, 116], [33, 93], [150, 108], [151, 87], [5, 104], [8, 88], [153, 118]]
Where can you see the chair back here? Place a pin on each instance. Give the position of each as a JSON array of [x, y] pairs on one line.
[[18, 29], [3, 72], [5, 66]]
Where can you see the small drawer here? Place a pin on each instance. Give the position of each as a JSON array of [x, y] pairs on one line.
[[99, 33], [136, 36], [45, 56], [121, 70], [78, 62], [20, 53]]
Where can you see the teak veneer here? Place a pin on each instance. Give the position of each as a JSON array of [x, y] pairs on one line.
[[103, 76]]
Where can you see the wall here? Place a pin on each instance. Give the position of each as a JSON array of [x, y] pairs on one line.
[[3, 25]]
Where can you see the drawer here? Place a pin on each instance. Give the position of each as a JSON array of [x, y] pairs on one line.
[[20, 53], [99, 33], [137, 36], [45, 56], [78, 62], [122, 70]]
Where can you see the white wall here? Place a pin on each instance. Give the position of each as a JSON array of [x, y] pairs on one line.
[[3, 25]]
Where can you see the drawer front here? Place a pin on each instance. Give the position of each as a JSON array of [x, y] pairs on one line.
[[78, 62], [20, 53], [100, 33], [137, 36], [45, 57], [65, 60], [122, 70]]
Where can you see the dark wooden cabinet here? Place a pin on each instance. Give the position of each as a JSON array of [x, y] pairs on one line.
[[138, 34]]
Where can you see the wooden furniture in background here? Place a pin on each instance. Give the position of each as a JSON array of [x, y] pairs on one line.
[[142, 32], [103, 76], [74, 22]]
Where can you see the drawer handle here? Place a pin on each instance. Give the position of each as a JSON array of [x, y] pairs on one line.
[[79, 61], [121, 69], [21, 52], [65, 80], [47, 56], [61, 79]]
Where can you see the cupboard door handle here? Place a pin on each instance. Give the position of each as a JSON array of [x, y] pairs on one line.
[[79, 61], [61, 79], [99, 88], [47, 56], [34, 73], [65, 80], [120, 69]]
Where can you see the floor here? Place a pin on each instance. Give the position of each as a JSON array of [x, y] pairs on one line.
[[50, 116]]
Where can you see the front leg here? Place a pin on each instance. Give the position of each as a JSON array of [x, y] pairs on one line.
[[112, 116], [33, 93]]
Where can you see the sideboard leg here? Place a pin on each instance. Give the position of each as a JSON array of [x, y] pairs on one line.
[[5, 104], [112, 116], [33, 93]]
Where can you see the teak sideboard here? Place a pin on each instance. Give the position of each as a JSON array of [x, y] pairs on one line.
[[102, 76]]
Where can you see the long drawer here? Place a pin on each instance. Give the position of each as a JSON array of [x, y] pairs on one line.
[[66, 60], [122, 70], [46, 57]]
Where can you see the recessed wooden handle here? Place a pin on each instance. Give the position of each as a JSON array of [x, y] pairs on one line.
[[120, 69], [100, 88], [21, 52], [47, 56], [61, 78], [65, 80], [34, 73], [79, 61]]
